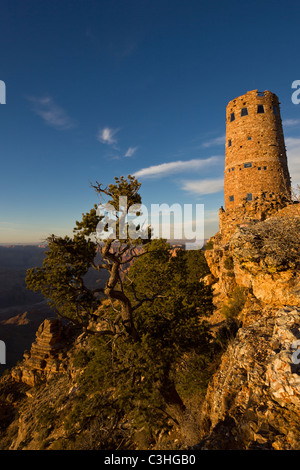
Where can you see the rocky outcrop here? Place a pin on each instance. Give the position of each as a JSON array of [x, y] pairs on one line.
[[264, 257], [18, 331], [267, 260], [48, 354], [253, 401], [260, 209]]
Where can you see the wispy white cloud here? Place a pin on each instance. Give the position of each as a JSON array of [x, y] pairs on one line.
[[51, 113], [216, 141], [164, 169], [290, 122], [204, 186], [106, 135], [130, 151]]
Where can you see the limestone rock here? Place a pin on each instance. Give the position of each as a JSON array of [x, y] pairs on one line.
[[265, 259], [48, 354], [253, 401]]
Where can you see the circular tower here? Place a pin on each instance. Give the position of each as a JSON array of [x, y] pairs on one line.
[[255, 155]]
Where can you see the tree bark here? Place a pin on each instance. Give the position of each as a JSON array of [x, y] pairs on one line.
[[114, 294]]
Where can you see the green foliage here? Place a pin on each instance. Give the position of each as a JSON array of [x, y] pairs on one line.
[[60, 279], [89, 222], [112, 387], [128, 187], [226, 333], [125, 377], [153, 321], [194, 371], [235, 304], [173, 324], [124, 198], [196, 265], [69, 259]]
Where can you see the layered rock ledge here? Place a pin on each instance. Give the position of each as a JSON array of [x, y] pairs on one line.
[[253, 401], [48, 355]]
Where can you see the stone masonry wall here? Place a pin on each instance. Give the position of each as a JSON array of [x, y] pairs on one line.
[[250, 212], [255, 155]]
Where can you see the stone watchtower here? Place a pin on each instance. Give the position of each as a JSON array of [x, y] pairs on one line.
[[255, 156], [257, 180]]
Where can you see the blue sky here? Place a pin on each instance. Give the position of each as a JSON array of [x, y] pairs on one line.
[[97, 89]]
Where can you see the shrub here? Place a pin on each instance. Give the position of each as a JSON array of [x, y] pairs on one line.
[[226, 333], [235, 304]]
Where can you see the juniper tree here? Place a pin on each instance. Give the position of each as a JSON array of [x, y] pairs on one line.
[[61, 279], [151, 312]]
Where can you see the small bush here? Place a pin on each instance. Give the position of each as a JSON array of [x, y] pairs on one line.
[[235, 304], [226, 334], [80, 359]]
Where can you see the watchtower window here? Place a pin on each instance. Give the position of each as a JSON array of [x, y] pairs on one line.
[[265, 167], [260, 93], [231, 198], [259, 167], [249, 138], [229, 143], [260, 109], [249, 197], [232, 169], [232, 117], [275, 111], [244, 112], [248, 165]]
